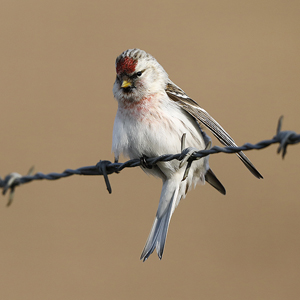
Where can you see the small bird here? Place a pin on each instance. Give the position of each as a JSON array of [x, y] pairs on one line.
[[153, 114]]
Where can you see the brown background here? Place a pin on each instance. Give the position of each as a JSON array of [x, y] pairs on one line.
[[70, 239]]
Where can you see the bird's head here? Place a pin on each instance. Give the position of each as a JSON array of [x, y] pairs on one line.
[[139, 75]]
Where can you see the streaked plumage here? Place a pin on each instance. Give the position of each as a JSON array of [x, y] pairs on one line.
[[153, 114]]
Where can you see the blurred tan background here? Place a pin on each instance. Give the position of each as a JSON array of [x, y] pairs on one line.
[[70, 239]]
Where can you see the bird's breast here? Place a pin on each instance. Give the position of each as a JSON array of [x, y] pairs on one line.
[[152, 129]]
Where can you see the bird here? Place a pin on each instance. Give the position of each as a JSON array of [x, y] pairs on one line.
[[152, 116]]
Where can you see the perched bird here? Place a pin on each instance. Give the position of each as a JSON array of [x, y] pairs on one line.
[[153, 114]]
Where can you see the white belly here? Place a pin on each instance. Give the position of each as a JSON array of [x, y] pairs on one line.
[[155, 131]]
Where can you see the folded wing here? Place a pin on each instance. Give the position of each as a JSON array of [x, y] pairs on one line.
[[202, 117]]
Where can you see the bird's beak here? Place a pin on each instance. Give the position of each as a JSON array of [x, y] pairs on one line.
[[126, 84]]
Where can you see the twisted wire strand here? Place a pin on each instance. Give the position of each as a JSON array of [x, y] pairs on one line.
[[105, 167]]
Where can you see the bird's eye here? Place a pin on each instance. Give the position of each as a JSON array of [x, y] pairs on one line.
[[139, 73]]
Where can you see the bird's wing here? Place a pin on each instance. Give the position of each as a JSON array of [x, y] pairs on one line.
[[176, 94], [212, 179]]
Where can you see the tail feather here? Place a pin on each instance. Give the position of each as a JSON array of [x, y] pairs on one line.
[[158, 233]]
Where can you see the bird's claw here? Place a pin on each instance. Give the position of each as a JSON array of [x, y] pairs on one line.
[[143, 161]]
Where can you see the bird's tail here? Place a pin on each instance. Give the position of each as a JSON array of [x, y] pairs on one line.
[[167, 204]]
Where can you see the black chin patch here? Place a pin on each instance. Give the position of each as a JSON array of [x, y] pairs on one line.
[[128, 90]]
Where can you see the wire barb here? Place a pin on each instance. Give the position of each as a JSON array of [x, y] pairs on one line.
[[286, 138], [11, 181], [105, 167], [102, 165]]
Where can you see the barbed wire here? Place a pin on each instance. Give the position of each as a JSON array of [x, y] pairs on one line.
[[105, 167]]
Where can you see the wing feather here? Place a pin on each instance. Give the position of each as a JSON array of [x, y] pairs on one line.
[[202, 117]]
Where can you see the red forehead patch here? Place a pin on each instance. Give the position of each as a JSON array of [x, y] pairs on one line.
[[126, 65]]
